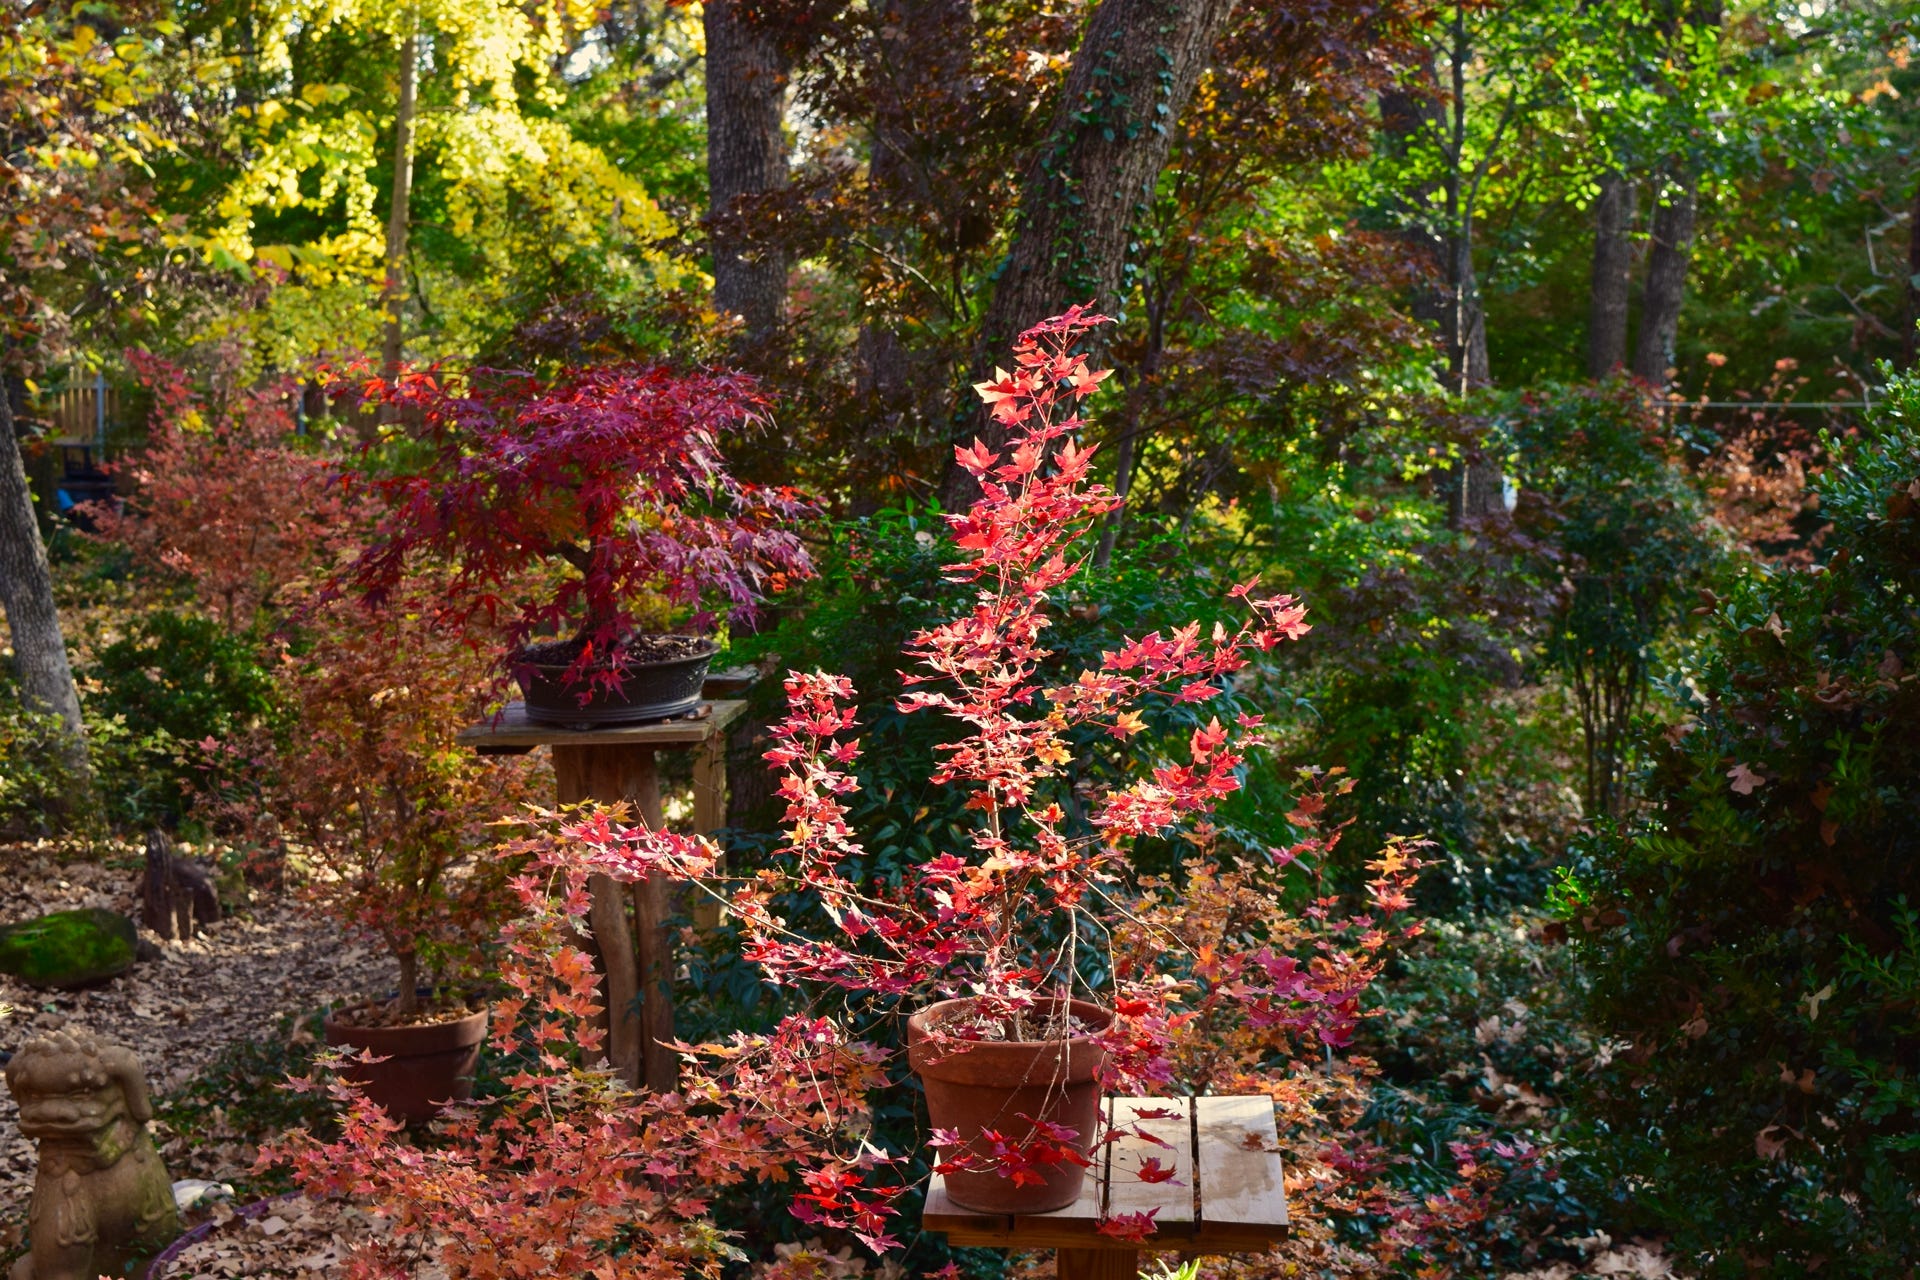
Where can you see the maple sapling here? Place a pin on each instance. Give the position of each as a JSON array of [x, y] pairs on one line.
[[997, 924]]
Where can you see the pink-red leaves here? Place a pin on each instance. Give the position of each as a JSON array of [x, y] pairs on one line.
[[613, 473]]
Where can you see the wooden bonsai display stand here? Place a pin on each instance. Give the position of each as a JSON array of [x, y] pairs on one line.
[[610, 765], [1225, 1195]]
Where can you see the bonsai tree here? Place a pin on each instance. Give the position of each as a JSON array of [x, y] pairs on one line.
[[614, 476]]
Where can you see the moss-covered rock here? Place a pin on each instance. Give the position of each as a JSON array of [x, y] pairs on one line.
[[68, 948]]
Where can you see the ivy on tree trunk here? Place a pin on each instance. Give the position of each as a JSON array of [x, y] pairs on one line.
[[1132, 76]]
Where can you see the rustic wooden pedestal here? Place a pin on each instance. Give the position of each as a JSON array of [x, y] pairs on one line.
[[1225, 1195], [611, 765]]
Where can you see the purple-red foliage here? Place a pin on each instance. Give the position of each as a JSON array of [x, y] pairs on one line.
[[615, 472]]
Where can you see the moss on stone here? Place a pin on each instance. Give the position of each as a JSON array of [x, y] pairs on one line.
[[68, 948]]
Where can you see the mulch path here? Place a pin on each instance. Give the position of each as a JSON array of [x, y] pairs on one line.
[[234, 982]]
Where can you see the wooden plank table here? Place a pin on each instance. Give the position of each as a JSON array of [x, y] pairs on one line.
[[610, 764], [1230, 1199]]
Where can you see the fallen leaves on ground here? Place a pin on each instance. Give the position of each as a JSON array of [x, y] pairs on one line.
[[231, 983]]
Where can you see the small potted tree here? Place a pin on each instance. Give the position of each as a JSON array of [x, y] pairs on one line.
[[394, 818], [1012, 1045], [610, 479]]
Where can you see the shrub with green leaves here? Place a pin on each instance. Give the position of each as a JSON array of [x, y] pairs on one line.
[[1633, 540], [1753, 940], [174, 680]]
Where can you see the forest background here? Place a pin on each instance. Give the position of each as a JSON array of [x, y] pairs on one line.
[[1550, 350]]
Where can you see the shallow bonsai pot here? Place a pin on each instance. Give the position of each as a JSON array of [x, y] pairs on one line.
[[991, 1084], [648, 691], [426, 1065]]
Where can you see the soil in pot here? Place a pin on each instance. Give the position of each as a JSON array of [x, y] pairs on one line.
[[661, 676], [987, 1080], [428, 1061]]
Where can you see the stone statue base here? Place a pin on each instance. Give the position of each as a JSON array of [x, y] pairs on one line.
[[101, 1197]]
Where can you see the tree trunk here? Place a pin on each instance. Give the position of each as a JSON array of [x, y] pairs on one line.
[[1666, 280], [1479, 487], [746, 157], [393, 294], [1139, 388], [26, 592], [1910, 349], [409, 1001], [1613, 215], [1136, 67]]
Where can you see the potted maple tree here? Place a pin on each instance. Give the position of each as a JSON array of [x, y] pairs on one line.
[[393, 816], [612, 479], [1011, 1046]]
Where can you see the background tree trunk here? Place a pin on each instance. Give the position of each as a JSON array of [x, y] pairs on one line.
[[1910, 339], [1613, 215], [393, 294], [26, 592], [1667, 263], [1131, 79], [746, 157]]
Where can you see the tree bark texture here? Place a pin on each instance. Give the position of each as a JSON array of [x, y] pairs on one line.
[[746, 158], [1135, 70], [393, 294], [26, 591], [1667, 262], [1613, 215], [1910, 339]]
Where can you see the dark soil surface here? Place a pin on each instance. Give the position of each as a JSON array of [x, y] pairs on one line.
[[1034, 1025], [639, 649], [431, 1013]]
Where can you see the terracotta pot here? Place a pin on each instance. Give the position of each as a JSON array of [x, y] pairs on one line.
[[991, 1085], [425, 1067], [648, 691]]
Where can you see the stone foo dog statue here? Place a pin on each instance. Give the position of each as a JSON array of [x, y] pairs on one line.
[[101, 1196]]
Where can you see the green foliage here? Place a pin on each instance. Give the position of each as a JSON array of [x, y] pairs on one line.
[[1413, 675], [1753, 942], [1479, 1036], [37, 772], [1632, 539], [174, 680]]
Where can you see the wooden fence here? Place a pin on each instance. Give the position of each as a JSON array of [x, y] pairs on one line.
[[82, 410]]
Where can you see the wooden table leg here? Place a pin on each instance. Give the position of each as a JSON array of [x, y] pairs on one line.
[[1096, 1264], [659, 1065], [709, 815], [639, 990]]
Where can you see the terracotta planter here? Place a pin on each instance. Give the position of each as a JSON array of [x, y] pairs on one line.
[[991, 1085], [425, 1067], [648, 691]]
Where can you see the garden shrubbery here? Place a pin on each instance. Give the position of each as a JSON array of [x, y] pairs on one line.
[[1752, 938]]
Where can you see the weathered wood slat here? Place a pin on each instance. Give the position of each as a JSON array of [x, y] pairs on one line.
[[1238, 1145], [1241, 1195], [513, 729], [1170, 1121]]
